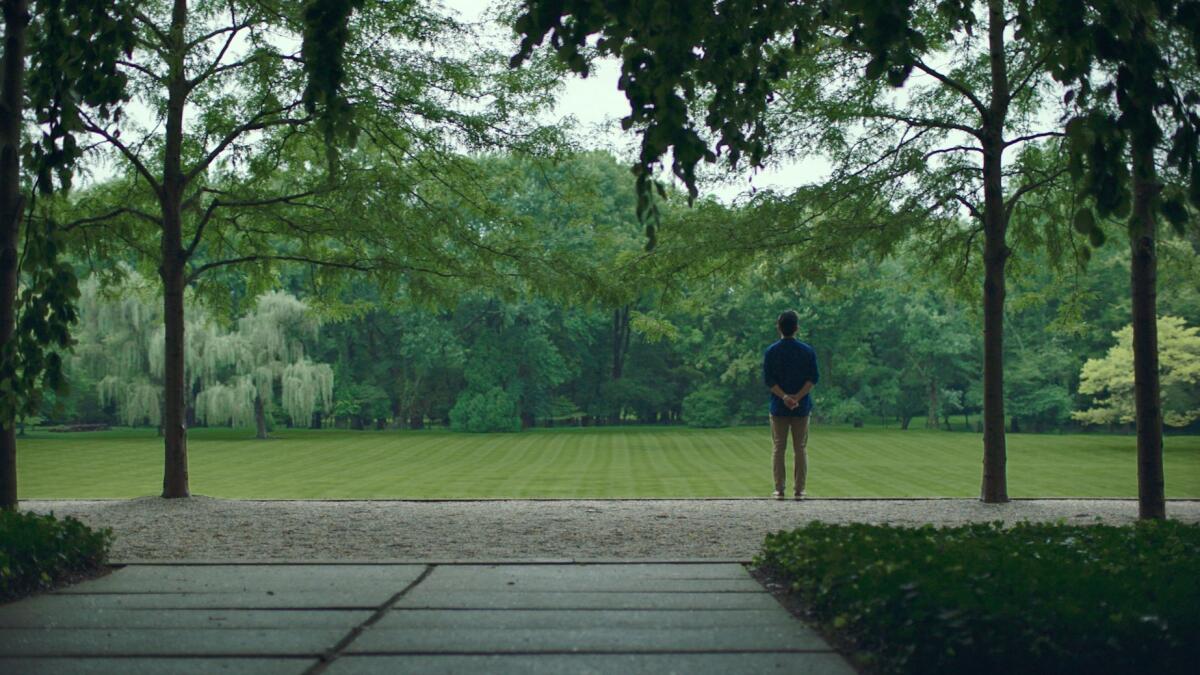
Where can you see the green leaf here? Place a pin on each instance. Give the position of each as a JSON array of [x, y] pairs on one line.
[[1084, 222]]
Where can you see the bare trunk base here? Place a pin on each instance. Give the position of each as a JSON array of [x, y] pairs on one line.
[[260, 419], [8, 469]]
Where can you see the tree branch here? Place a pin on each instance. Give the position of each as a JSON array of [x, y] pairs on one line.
[[236, 27], [970, 207], [957, 148], [355, 266], [199, 234], [967, 247], [1011, 202], [91, 126], [1028, 77], [137, 66], [1032, 137], [282, 199], [926, 122], [109, 216], [255, 123], [149, 23], [214, 67], [217, 203], [953, 84]]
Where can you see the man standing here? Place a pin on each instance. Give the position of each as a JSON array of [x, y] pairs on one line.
[[790, 371]]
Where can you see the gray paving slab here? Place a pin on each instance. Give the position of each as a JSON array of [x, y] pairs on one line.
[[168, 642], [606, 664], [494, 582], [22, 617], [594, 571], [419, 598], [236, 578], [782, 637], [361, 599], [472, 619], [541, 618], [151, 666]]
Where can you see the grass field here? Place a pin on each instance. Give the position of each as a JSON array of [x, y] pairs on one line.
[[580, 463]]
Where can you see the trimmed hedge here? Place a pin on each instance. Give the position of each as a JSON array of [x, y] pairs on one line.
[[39, 552], [485, 412], [707, 407], [1031, 598]]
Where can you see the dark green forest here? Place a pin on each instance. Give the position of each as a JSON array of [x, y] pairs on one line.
[[604, 333]]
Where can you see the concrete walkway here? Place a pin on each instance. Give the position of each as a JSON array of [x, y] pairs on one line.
[[622, 618]]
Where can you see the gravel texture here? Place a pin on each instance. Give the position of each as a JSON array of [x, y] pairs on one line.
[[202, 528]]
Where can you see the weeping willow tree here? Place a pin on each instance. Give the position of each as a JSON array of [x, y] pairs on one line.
[[117, 328], [268, 357], [120, 343], [231, 375]]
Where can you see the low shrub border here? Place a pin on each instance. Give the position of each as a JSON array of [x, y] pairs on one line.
[[39, 552], [1030, 598]]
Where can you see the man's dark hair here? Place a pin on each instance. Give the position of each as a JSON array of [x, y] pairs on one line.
[[788, 322]]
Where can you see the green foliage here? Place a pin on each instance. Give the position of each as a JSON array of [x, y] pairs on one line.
[[359, 403], [493, 409], [1110, 379], [986, 599], [687, 63], [74, 49], [1130, 68], [38, 552], [326, 30], [31, 363], [708, 406]]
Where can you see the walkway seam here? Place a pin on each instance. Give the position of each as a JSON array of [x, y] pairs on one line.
[[340, 648]]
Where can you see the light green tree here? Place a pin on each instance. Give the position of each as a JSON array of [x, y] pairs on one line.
[[267, 353], [119, 344], [232, 376], [1110, 380]]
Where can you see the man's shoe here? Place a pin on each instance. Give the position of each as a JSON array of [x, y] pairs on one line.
[[778, 494], [799, 497]]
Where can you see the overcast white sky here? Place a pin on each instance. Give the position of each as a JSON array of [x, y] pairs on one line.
[[598, 106]]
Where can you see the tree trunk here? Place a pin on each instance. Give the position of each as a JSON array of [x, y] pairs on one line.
[[16, 18], [904, 420], [316, 420], [1015, 424], [171, 269], [1143, 283], [175, 469], [995, 256], [620, 337], [260, 418], [931, 418]]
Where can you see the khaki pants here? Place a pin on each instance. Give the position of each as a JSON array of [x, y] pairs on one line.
[[779, 436]]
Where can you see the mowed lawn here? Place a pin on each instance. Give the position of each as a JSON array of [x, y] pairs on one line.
[[582, 463]]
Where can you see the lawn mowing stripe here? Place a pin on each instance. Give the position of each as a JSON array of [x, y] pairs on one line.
[[589, 462], [522, 454]]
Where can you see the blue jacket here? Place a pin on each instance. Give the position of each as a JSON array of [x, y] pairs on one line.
[[790, 363]]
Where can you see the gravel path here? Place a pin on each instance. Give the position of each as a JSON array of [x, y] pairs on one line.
[[202, 528]]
